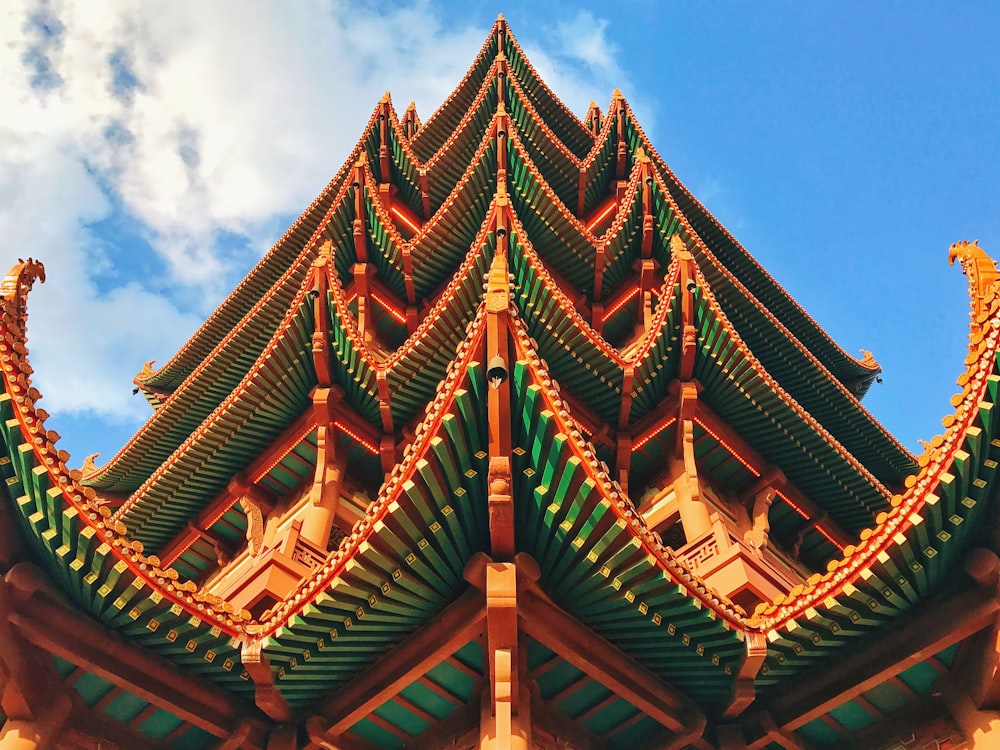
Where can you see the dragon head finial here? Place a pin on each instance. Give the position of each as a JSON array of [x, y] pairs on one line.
[[18, 282], [983, 276]]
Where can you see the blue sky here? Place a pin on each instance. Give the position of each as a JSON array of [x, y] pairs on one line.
[[151, 153]]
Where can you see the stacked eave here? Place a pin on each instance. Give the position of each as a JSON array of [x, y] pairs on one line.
[[248, 374]]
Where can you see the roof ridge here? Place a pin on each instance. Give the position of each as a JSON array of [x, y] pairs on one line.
[[685, 223], [935, 462], [662, 165]]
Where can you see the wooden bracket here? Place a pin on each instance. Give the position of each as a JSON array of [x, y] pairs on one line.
[[358, 226], [268, 697], [425, 193], [385, 166], [321, 349], [258, 504], [743, 686], [384, 401]]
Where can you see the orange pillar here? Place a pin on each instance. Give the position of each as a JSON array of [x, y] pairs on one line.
[[693, 510], [37, 733]]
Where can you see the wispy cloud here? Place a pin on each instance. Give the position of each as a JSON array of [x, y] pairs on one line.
[[197, 127]]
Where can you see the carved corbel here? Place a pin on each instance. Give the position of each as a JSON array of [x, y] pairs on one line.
[[743, 686], [501, 508], [757, 537], [257, 503], [267, 695], [316, 728]]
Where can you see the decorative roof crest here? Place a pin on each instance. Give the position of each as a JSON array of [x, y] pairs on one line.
[[982, 273], [19, 280]]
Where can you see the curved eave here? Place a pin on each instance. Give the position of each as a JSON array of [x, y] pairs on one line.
[[583, 361], [597, 556], [805, 376], [567, 127], [560, 167], [445, 239], [443, 121], [446, 167], [404, 561], [271, 395], [414, 370], [204, 389], [444, 419], [743, 393], [87, 553], [764, 287], [919, 537], [260, 278]]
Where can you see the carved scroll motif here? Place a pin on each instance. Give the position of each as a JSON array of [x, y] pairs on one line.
[[255, 525]]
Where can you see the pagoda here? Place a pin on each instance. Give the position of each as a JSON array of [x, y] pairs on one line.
[[506, 443]]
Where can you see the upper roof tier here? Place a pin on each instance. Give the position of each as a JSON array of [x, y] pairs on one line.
[[584, 192]]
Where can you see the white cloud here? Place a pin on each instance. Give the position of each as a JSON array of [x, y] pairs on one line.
[[194, 123]]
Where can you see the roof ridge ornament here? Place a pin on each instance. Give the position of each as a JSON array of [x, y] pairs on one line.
[[983, 276], [18, 282], [679, 249]]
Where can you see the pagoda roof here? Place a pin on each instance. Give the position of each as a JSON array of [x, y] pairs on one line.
[[618, 289]]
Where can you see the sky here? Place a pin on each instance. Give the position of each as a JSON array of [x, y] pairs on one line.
[[151, 153]]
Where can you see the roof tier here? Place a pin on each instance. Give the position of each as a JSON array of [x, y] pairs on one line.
[[616, 289]]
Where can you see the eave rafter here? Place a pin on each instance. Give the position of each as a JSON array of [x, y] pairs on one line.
[[676, 188], [154, 441], [264, 276], [43, 619]]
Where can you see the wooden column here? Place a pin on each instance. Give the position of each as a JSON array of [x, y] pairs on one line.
[[324, 497], [981, 728], [504, 723], [39, 732], [971, 694], [30, 693]]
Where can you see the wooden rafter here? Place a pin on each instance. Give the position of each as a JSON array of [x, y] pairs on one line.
[[68, 634], [459, 623], [718, 429], [558, 631], [901, 647]]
